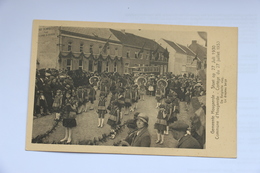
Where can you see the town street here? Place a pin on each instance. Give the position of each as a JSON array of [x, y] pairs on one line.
[[87, 122]]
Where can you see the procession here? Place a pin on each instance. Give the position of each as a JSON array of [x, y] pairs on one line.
[[115, 101], [101, 86]]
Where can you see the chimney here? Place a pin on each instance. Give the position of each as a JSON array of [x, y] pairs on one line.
[[194, 42]]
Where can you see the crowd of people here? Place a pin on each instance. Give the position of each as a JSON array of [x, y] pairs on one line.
[[67, 93]]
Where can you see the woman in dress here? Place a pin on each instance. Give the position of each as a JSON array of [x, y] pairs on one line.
[[57, 103], [115, 119], [101, 109], [160, 124], [69, 115]]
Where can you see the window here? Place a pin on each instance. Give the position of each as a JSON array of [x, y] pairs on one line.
[[126, 67], [81, 47], [69, 46], [147, 56], [116, 51], [107, 66], [128, 54], [69, 64], [136, 54], [81, 64], [90, 65], [115, 67], [91, 49], [99, 49], [141, 55]]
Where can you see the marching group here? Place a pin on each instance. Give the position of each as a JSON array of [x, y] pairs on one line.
[[68, 94]]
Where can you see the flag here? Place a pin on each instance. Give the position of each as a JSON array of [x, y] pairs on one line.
[[166, 53], [196, 58], [104, 49], [141, 51]]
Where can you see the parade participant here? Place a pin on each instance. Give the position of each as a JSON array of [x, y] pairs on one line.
[[142, 137], [81, 98], [135, 97], [179, 132], [168, 111], [115, 119], [91, 96], [86, 98], [142, 90], [128, 98], [121, 103], [150, 87], [103, 87], [57, 103], [159, 94], [187, 98], [101, 109], [160, 124], [68, 116]]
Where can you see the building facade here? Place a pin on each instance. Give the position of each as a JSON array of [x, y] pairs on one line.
[[180, 57], [98, 49], [141, 54]]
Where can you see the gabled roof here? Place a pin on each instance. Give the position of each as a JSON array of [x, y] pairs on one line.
[[198, 49], [129, 39], [93, 33], [175, 46], [187, 50]]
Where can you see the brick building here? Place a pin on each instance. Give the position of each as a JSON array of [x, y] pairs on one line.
[[98, 49]]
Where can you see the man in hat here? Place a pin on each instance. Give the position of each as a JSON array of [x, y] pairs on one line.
[[142, 136], [179, 133]]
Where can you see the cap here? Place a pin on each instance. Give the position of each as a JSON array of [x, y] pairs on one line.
[[162, 106], [143, 118], [179, 126]]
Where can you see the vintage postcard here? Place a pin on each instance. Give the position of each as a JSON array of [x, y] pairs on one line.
[[133, 89]]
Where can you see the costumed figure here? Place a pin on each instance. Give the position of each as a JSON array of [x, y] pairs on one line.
[[101, 109], [128, 98], [57, 103], [94, 81], [69, 115], [169, 112], [115, 118], [141, 82], [160, 124], [135, 97], [92, 96]]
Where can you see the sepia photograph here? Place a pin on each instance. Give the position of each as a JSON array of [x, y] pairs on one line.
[[119, 88]]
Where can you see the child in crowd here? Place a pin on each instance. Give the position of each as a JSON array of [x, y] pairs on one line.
[[57, 103], [115, 118], [160, 124], [69, 115], [101, 109]]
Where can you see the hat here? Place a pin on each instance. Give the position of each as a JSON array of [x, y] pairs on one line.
[[143, 118], [131, 123], [179, 126]]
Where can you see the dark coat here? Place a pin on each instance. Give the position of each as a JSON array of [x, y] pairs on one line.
[[188, 142], [143, 139]]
